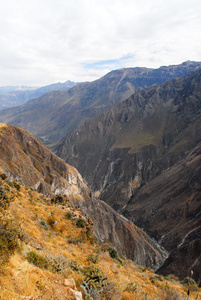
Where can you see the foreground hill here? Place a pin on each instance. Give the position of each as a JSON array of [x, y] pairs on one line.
[[15, 96], [25, 159], [51, 116], [135, 142], [48, 252]]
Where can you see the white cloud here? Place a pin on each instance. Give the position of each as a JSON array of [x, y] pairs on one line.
[[45, 41]]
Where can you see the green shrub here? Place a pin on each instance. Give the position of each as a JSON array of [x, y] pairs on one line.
[[93, 258], [51, 221], [38, 260], [113, 252], [4, 200], [80, 223], [16, 185], [69, 215], [94, 276], [3, 176], [8, 240], [44, 223]]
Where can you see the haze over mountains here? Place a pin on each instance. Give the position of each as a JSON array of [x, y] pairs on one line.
[[15, 96], [51, 116], [135, 138]]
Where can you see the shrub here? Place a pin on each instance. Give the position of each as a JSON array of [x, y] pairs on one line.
[[80, 223], [42, 222], [113, 252], [3, 176], [93, 258], [58, 199], [4, 201], [69, 215], [96, 286], [8, 240], [38, 260], [16, 185], [51, 221]]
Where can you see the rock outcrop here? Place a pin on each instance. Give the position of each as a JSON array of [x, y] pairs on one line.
[[25, 159]]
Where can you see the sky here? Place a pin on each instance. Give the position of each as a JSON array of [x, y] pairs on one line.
[[49, 41]]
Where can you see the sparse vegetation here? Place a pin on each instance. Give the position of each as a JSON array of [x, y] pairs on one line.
[[69, 249]]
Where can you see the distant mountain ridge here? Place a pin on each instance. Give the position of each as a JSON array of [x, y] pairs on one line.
[[51, 116], [15, 96]]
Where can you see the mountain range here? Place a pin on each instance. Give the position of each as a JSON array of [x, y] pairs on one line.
[[142, 158], [15, 96], [51, 116]]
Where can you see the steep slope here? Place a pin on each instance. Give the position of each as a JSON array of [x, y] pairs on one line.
[[16, 96], [169, 208], [52, 116], [47, 254], [25, 159], [129, 240], [123, 150]]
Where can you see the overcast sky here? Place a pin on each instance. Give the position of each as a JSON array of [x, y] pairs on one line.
[[47, 41]]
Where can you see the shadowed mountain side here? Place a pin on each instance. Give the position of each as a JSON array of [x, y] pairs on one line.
[[142, 157], [137, 139], [53, 115], [128, 239]]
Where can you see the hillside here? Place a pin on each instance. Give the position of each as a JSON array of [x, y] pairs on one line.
[[15, 96], [51, 116], [120, 152], [48, 251], [24, 158]]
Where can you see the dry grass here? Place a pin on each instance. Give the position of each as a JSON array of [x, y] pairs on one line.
[[68, 251]]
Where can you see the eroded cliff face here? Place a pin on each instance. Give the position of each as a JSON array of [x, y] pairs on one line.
[[25, 159], [137, 139], [169, 209], [129, 240]]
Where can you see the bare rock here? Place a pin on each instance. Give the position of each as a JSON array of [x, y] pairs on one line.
[[70, 282]]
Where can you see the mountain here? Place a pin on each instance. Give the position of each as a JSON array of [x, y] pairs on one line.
[[140, 148], [26, 160], [15, 96], [48, 251], [51, 116]]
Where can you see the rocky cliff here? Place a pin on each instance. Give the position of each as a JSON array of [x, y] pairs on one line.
[[25, 159], [51, 116], [129, 240]]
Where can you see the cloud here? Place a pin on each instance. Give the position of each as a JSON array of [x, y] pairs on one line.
[[48, 41]]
